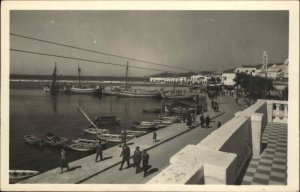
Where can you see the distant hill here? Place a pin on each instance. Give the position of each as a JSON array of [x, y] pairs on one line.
[[71, 77]]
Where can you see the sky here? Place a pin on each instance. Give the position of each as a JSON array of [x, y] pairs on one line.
[[196, 40]]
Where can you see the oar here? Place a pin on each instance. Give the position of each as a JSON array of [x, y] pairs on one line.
[[88, 119]]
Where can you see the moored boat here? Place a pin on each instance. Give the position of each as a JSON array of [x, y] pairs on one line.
[[136, 133], [95, 131], [83, 90], [114, 138], [54, 140], [177, 96], [18, 175], [138, 93], [83, 145], [144, 125], [31, 139]]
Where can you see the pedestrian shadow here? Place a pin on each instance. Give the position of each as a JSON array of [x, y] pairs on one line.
[[153, 170], [158, 140], [105, 158], [73, 168]]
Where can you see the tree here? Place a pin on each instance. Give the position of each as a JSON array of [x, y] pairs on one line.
[[254, 87]]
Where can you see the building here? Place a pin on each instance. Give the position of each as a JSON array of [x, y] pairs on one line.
[[228, 78]]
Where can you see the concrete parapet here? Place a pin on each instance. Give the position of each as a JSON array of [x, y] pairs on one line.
[[256, 130], [196, 165]]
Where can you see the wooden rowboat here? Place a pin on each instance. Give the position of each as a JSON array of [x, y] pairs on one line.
[[54, 140], [95, 131], [18, 175], [114, 138], [144, 125], [83, 145], [31, 139]]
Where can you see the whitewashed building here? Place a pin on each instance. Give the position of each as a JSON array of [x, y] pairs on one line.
[[228, 78]]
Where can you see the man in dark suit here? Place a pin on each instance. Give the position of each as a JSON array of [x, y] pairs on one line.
[[145, 157], [137, 159], [125, 156], [99, 151]]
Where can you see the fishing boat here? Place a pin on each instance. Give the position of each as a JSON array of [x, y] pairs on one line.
[[177, 96], [114, 138], [53, 88], [31, 139], [18, 175], [83, 145], [111, 91], [170, 118], [152, 110], [136, 133], [54, 140], [106, 120], [82, 89], [144, 125], [95, 131], [129, 92]]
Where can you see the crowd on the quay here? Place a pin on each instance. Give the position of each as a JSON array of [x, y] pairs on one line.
[[139, 157]]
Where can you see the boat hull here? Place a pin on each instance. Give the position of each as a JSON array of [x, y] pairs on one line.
[[94, 131], [177, 97], [83, 90], [141, 125], [138, 94], [18, 175]]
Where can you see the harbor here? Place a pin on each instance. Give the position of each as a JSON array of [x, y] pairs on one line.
[[85, 170], [158, 98]]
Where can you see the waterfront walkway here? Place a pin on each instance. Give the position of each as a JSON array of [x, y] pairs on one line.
[[171, 140], [271, 167]]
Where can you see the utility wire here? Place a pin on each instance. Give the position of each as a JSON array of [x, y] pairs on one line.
[[79, 59], [88, 50]]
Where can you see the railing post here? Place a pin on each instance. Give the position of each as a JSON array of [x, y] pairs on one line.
[[256, 130], [270, 111], [285, 113], [277, 113]]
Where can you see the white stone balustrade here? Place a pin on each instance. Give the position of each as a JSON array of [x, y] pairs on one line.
[[221, 156], [280, 113]]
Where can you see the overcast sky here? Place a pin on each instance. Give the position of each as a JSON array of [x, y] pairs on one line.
[[198, 40]]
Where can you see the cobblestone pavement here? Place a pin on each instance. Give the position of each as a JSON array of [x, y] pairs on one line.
[[271, 167]]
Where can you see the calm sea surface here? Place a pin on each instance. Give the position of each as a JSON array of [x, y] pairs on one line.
[[34, 112]]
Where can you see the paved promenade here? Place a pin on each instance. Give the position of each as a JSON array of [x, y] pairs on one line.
[[271, 167], [171, 140]]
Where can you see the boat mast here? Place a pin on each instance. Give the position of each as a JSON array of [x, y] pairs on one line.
[[126, 76], [54, 77], [79, 71]]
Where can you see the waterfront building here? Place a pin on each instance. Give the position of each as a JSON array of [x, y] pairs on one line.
[[228, 78]]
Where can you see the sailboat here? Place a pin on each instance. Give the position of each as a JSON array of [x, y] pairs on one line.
[[53, 88], [129, 92], [81, 89]]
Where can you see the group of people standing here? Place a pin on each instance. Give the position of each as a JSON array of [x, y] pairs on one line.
[[205, 121], [138, 157]]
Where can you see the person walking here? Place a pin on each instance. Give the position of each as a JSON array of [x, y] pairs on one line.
[[207, 121], [63, 160], [99, 151], [217, 107], [202, 120], [145, 157], [125, 156], [183, 115], [154, 136], [189, 119], [137, 159], [212, 103], [219, 124]]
